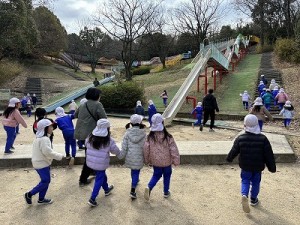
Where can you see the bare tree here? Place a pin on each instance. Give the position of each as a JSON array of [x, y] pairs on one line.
[[197, 17], [128, 20]]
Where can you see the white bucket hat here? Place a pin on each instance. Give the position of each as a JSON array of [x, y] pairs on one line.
[[136, 119], [199, 104], [258, 101], [150, 102], [138, 103], [157, 122], [251, 124], [101, 128], [288, 104], [41, 125], [60, 112], [13, 102]]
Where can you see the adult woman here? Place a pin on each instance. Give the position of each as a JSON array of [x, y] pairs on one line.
[[12, 118], [88, 114]]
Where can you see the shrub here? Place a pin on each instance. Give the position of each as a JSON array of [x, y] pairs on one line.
[[9, 69], [122, 95], [266, 48], [141, 70], [285, 48]]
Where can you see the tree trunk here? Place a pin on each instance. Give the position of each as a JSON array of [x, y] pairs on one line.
[[163, 61]]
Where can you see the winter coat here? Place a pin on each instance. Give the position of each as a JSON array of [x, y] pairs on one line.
[[255, 151], [161, 152], [139, 110], [209, 103], [65, 123], [132, 148], [43, 154], [85, 122], [273, 85], [282, 97], [287, 113], [274, 93], [14, 119], [245, 97], [151, 111], [261, 87], [261, 113], [267, 98], [98, 159]]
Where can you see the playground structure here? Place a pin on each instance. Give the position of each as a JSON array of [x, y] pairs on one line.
[[221, 56]]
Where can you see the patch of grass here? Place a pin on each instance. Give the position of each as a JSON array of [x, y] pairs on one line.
[[9, 69]]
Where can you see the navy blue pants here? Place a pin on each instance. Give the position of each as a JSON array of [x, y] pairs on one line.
[[135, 175], [253, 179], [70, 142], [260, 123], [199, 119], [245, 104], [11, 136], [100, 181], [158, 172], [42, 187], [287, 122]]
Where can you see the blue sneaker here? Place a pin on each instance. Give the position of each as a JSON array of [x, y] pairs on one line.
[[45, 201], [108, 192]]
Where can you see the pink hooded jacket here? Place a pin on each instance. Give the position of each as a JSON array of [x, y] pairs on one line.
[[14, 119]]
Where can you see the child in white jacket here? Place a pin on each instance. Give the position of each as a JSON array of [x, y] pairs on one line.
[[42, 156], [288, 113], [132, 149]]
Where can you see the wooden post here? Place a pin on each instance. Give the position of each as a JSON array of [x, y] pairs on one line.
[[205, 84]]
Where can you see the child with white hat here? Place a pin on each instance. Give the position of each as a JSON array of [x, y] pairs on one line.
[[160, 151], [260, 111], [199, 111], [288, 113], [72, 107], [245, 99], [42, 156], [132, 149], [255, 152], [99, 145]]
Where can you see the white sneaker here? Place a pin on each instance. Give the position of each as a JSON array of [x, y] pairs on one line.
[[245, 204], [193, 125], [147, 193], [72, 160]]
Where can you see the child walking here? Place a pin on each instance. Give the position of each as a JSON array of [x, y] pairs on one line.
[[65, 124], [151, 111], [132, 149], [245, 99], [160, 151], [288, 113], [99, 145], [199, 112], [42, 156], [164, 96], [255, 151]]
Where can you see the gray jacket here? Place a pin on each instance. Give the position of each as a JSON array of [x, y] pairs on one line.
[[85, 122], [132, 148]]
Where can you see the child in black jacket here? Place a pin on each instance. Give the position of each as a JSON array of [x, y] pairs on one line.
[[255, 151]]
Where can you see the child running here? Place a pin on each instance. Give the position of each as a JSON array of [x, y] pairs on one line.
[[160, 151], [42, 156], [99, 144], [255, 151], [199, 112], [65, 124], [288, 113], [132, 149]]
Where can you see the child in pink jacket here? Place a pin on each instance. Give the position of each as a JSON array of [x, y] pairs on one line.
[[160, 151]]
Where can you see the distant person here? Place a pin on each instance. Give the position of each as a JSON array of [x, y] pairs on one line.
[[11, 119], [210, 107], [260, 111], [281, 98], [34, 100], [199, 112], [23, 103], [29, 108], [263, 79], [28, 97], [88, 114], [139, 109], [96, 82], [274, 93], [245, 100], [99, 145], [273, 85], [164, 96], [260, 87], [72, 107], [255, 151], [132, 150], [267, 99], [160, 151], [288, 113], [151, 111], [65, 124], [42, 156]]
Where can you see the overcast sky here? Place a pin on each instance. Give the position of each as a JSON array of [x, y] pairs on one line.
[[71, 12]]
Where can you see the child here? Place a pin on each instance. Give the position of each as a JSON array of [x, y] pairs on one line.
[[160, 151], [12, 118], [245, 99], [281, 98], [255, 151], [65, 124], [199, 112], [139, 109], [164, 96], [151, 111], [42, 156], [73, 107], [261, 86], [34, 100], [288, 113], [132, 149], [267, 99], [29, 108], [260, 111], [99, 145], [274, 93]]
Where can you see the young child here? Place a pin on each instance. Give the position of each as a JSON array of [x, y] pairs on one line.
[[164, 96], [132, 149], [267, 99], [261, 86], [99, 145], [260, 111], [139, 109], [274, 93], [255, 151], [72, 107], [281, 98], [151, 111], [29, 108], [65, 124], [160, 151], [42, 156], [199, 112], [245, 99], [288, 113]]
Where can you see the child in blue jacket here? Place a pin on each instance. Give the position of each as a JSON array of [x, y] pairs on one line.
[[65, 124], [199, 112]]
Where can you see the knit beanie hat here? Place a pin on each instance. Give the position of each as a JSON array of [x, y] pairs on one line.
[[157, 122], [251, 124], [101, 128]]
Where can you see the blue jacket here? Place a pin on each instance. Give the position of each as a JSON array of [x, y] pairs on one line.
[[65, 123], [198, 110], [151, 111]]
